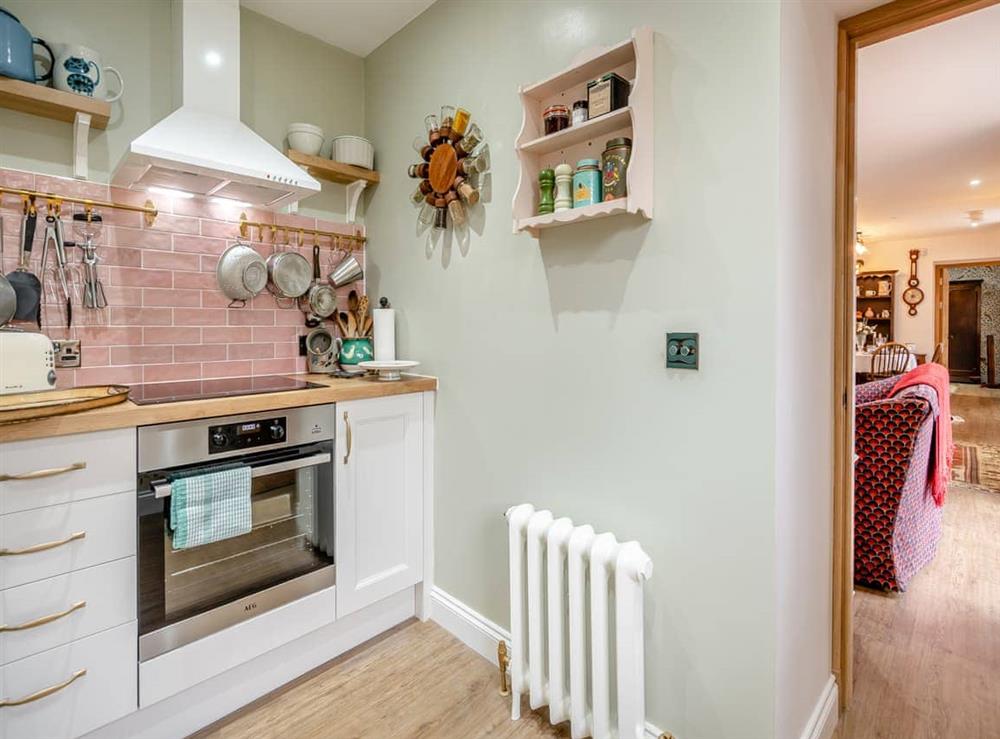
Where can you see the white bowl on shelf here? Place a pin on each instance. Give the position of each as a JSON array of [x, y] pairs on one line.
[[353, 150], [305, 137]]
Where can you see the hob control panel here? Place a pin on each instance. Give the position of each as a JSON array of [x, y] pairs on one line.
[[249, 435]]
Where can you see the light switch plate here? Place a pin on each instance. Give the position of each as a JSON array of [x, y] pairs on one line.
[[67, 353], [682, 351]]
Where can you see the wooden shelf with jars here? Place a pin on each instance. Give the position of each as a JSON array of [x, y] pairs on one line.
[[631, 60], [875, 294]]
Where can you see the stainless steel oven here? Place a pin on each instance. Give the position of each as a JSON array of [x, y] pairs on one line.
[[187, 594]]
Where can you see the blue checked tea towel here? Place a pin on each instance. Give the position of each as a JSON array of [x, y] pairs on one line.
[[210, 506]]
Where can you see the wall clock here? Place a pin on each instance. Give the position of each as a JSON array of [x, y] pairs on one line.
[[913, 295]]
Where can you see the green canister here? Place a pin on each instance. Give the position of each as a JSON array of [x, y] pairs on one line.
[[614, 164], [587, 183]]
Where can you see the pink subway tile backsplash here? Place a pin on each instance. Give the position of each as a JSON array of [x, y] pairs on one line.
[[166, 318]]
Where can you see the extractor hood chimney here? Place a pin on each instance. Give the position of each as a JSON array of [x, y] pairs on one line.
[[202, 147]]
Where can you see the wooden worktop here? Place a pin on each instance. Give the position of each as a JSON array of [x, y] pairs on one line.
[[129, 414]]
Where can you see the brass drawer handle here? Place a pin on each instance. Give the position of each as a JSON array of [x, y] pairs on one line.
[[39, 474], [350, 440], [44, 692], [44, 619], [43, 547]]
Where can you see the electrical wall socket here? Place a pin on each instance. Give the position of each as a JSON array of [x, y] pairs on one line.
[[67, 353]]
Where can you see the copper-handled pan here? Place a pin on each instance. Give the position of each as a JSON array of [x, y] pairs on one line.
[[27, 286]]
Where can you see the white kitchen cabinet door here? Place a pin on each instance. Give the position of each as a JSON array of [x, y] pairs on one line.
[[380, 486]]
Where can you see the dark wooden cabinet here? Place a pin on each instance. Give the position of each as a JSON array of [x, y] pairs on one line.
[[871, 293]]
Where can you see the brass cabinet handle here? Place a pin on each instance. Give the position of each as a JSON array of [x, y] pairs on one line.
[[43, 547], [39, 474], [44, 692], [350, 440], [44, 619]]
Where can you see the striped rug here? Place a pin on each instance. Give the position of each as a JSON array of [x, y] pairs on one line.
[[977, 465]]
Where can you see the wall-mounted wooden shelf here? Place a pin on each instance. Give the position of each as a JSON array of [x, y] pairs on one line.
[[633, 60], [49, 103], [327, 169]]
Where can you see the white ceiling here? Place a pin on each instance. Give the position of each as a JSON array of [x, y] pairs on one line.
[[928, 124], [359, 26]]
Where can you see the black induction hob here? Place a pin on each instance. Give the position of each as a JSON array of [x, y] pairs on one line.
[[169, 392]]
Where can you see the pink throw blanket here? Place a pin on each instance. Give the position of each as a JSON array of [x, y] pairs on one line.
[[935, 376]]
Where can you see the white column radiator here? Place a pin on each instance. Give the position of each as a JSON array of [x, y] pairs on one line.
[[576, 624]]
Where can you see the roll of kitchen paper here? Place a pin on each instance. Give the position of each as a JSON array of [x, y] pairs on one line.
[[384, 324]]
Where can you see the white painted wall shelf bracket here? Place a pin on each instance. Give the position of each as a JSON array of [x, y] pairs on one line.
[[81, 145], [633, 60]]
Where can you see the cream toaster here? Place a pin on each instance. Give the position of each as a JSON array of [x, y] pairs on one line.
[[27, 362]]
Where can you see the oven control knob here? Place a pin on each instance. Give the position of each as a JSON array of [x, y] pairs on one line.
[[277, 431], [219, 439]]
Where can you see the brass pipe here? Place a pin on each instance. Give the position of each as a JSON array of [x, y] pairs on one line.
[[148, 210], [503, 661], [247, 226]]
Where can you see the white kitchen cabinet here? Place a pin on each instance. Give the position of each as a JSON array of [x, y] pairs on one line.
[[380, 498], [63, 469], [67, 691]]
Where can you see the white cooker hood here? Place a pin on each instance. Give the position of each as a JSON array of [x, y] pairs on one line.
[[202, 147]]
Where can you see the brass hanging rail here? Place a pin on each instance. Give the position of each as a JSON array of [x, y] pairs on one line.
[[247, 227], [148, 210]]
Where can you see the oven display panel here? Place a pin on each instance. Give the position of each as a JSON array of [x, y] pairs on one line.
[[232, 436]]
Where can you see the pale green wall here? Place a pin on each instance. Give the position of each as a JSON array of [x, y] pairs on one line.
[[550, 353], [285, 76]]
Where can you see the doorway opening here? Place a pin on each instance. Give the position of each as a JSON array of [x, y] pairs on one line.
[[918, 326], [967, 320]]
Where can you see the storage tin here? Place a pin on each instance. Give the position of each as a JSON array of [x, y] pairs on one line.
[[607, 93], [587, 183], [614, 166]]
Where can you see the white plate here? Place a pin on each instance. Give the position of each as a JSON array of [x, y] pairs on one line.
[[388, 371]]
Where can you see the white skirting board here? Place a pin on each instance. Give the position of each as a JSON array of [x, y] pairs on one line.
[[208, 701], [482, 635], [823, 721]]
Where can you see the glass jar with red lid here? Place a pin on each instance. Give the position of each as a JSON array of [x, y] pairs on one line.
[[555, 118]]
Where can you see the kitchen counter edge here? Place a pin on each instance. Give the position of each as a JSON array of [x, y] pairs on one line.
[[128, 414]]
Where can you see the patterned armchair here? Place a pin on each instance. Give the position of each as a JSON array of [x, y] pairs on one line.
[[896, 523]]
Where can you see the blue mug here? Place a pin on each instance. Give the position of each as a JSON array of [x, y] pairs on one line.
[[17, 59]]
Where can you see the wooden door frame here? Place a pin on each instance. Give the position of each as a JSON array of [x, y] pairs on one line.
[[854, 33], [941, 298]]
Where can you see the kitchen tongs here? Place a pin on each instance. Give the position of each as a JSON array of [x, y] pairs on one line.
[[54, 235]]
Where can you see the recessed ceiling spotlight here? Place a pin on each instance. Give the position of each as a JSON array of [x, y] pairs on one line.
[[975, 183], [975, 217]]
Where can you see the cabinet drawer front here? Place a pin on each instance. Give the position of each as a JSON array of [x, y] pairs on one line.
[[106, 692], [107, 526], [65, 468], [106, 592]]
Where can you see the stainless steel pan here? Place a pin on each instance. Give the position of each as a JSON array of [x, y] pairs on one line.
[[321, 300], [241, 273]]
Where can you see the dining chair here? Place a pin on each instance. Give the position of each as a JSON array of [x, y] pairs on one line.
[[938, 354], [888, 360]]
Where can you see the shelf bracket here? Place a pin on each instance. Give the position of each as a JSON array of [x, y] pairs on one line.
[[354, 191], [81, 144]]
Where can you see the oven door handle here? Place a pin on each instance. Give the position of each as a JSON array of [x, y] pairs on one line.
[[161, 488]]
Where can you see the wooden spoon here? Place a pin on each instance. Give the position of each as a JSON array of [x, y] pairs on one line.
[[352, 326], [362, 312], [342, 323], [352, 301]]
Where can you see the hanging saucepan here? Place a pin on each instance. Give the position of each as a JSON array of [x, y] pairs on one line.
[[321, 300], [242, 273], [289, 274]]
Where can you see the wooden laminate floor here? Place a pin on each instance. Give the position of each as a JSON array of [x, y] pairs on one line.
[[417, 681], [981, 417], [927, 662]]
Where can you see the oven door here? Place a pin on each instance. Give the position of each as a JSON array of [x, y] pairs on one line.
[[186, 594]]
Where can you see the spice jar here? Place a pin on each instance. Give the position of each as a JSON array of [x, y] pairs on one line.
[[420, 171], [614, 165], [460, 123], [421, 192], [447, 117], [427, 213], [467, 192], [433, 132], [455, 209], [579, 112], [587, 183], [555, 118], [469, 141], [472, 164], [440, 214]]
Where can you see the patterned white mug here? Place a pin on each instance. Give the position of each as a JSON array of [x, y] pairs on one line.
[[78, 69]]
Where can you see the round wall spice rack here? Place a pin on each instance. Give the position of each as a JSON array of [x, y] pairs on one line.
[[455, 158]]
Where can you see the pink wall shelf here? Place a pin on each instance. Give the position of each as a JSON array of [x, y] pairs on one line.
[[633, 60]]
